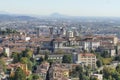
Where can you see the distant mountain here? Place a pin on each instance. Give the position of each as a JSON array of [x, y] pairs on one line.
[[25, 17], [58, 15], [7, 17], [4, 12]]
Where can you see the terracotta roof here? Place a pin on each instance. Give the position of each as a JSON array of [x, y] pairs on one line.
[[86, 54], [59, 39], [106, 37], [40, 39], [13, 65]]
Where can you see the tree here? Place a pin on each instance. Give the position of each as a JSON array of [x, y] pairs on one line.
[[116, 75], [81, 76], [79, 69], [105, 54], [33, 61], [74, 74], [16, 57], [87, 72], [117, 58], [4, 54], [46, 56], [19, 74], [38, 50], [30, 65], [85, 78], [2, 65], [35, 77], [27, 53], [92, 51], [93, 78], [67, 59], [25, 60], [118, 68], [108, 72], [99, 63]]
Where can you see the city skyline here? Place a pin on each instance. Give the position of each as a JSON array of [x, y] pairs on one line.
[[66, 7]]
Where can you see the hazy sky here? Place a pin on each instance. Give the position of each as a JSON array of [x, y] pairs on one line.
[[67, 7]]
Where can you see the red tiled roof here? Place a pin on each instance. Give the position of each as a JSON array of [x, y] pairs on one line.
[[59, 39], [40, 39], [87, 54]]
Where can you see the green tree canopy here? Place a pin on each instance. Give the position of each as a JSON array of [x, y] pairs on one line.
[[118, 68], [19, 74], [79, 69], [108, 72], [27, 53], [25, 60], [16, 57], [67, 59], [117, 58], [2, 65], [35, 77], [46, 56], [93, 78], [99, 63], [105, 54]]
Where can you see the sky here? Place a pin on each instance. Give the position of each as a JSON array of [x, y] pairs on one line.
[[66, 7]]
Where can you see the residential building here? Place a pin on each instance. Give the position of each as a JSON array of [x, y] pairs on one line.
[[56, 57], [58, 72], [42, 70], [118, 48], [111, 50], [98, 76], [70, 34], [108, 38], [59, 43], [13, 67], [90, 44], [87, 59], [7, 51]]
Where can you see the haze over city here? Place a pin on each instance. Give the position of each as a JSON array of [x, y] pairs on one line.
[[59, 40], [66, 7]]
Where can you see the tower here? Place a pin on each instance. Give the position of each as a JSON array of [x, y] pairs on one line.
[[80, 30], [38, 32], [70, 34], [51, 30], [63, 31]]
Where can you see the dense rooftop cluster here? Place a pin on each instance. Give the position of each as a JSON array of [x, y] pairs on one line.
[[48, 53]]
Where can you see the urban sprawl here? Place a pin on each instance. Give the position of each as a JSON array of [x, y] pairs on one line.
[[47, 52]]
